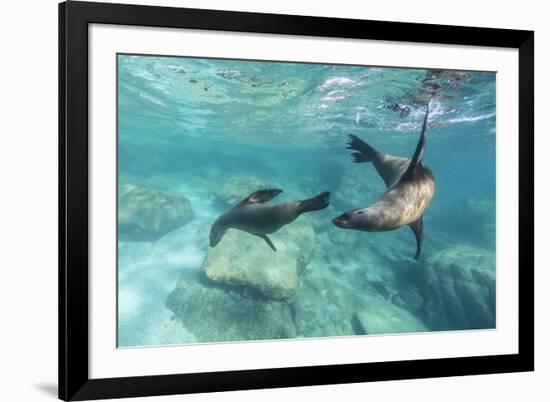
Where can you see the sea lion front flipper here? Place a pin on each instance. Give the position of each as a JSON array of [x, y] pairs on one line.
[[267, 240], [366, 152], [418, 230], [390, 168], [419, 152], [261, 196]]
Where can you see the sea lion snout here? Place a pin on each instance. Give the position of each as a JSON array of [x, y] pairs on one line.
[[213, 242], [342, 221], [355, 219], [216, 235]]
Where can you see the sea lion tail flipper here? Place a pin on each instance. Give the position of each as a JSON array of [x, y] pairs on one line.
[[314, 204], [419, 151], [268, 241], [418, 230], [261, 196], [366, 153]]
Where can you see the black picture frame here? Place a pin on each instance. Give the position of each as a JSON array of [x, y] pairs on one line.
[[74, 381]]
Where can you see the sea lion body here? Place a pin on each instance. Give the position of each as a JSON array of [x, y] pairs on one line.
[[251, 218], [411, 186], [400, 205], [254, 216]]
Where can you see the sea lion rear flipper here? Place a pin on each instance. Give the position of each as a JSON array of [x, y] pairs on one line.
[[267, 240], [418, 230], [314, 204], [419, 152], [261, 196]]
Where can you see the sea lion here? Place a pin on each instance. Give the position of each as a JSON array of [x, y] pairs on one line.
[[254, 216], [410, 184]]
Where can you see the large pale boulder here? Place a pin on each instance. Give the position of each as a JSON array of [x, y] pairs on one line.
[[236, 188], [145, 214], [213, 313], [241, 259]]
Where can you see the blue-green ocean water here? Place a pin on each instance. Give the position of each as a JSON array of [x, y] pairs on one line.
[[190, 129]]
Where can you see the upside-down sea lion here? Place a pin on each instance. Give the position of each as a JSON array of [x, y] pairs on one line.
[[254, 216], [411, 186]]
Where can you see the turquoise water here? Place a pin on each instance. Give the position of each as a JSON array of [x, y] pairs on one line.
[[195, 136]]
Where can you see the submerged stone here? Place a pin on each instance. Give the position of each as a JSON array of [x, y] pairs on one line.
[[213, 313], [327, 299], [460, 289], [236, 188], [244, 260], [382, 317], [145, 214]]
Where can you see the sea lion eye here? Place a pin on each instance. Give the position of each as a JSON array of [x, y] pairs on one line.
[[360, 212]]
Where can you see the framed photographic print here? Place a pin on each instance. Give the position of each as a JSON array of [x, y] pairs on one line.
[[257, 200]]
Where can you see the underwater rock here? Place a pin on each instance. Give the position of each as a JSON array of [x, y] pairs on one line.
[[387, 247], [241, 259], [145, 214], [236, 188], [323, 304], [327, 300], [214, 314], [460, 289], [409, 299], [347, 244], [382, 317]]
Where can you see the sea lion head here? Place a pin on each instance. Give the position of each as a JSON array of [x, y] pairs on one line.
[[216, 233], [358, 219]]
